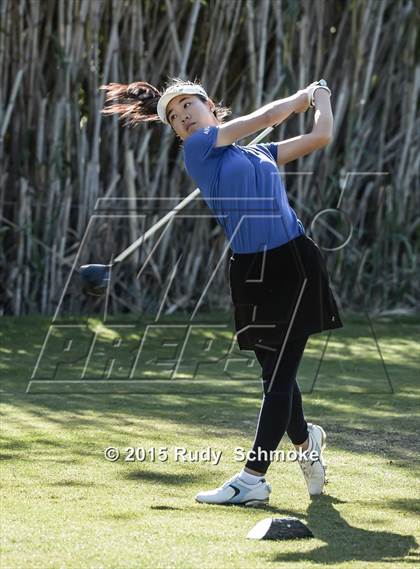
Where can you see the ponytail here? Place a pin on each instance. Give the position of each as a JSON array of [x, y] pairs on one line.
[[135, 103]]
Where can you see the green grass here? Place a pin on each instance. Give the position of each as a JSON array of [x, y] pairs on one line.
[[64, 505]]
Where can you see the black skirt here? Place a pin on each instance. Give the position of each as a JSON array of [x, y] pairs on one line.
[[282, 293]]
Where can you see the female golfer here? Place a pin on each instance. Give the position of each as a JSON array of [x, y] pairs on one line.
[[278, 278]]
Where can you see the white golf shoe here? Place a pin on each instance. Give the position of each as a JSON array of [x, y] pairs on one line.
[[314, 471], [234, 491]]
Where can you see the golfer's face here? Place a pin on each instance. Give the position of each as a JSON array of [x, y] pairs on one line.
[[187, 113]]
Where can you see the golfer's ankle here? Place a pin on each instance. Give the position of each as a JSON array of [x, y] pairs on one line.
[[303, 446], [254, 472]]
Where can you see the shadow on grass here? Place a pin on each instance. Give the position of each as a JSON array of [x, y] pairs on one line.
[[123, 516], [344, 542], [358, 423], [155, 477], [74, 483], [411, 505], [164, 508], [173, 479], [127, 516], [354, 422], [350, 423]]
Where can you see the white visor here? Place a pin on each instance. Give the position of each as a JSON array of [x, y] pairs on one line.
[[173, 92]]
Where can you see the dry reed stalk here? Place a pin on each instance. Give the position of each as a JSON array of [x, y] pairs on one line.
[[59, 154]]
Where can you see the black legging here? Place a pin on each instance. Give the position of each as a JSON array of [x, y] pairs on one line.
[[281, 408]]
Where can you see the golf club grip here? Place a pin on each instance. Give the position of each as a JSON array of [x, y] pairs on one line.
[[176, 209]]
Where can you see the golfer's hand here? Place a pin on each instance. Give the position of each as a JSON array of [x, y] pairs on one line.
[[302, 96]]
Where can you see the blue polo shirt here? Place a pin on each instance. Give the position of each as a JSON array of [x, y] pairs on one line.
[[242, 185]]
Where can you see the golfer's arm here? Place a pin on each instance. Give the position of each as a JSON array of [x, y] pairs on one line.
[[268, 115], [321, 135], [323, 119]]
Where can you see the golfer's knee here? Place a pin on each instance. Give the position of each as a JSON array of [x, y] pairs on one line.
[[278, 390], [281, 399]]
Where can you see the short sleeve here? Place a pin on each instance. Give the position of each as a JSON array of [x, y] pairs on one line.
[[200, 145], [202, 158], [270, 147]]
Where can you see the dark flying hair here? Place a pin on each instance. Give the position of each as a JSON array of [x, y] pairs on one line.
[[137, 102]]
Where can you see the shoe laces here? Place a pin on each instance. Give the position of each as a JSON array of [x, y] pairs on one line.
[[306, 465]]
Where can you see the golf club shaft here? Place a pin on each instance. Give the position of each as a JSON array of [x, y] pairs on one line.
[[175, 210]]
